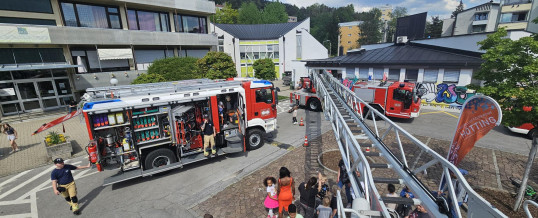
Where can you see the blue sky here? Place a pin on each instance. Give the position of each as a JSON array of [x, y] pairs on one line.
[[443, 8]]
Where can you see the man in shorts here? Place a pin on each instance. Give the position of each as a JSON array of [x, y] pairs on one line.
[[63, 182]]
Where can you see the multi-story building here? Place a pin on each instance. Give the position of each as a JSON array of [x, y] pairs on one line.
[[349, 36], [51, 50], [386, 10], [285, 43], [478, 19], [518, 15]]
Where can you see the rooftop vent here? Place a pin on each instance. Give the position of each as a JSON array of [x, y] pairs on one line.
[[401, 40]]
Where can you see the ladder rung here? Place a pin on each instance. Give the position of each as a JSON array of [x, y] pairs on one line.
[[388, 180], [396, 200], [376, 165], [361, 137], [372, 154], [356, 131]]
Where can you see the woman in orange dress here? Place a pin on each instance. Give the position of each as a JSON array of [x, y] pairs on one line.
[[286, 190]]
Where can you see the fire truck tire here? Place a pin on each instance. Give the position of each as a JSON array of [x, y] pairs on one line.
[[158, 158], [254, 139], [313, 104]]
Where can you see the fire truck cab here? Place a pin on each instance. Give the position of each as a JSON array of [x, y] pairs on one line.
[[397, 99], [141, 130]]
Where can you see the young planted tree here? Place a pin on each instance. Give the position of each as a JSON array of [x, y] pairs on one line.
[[264, 69], [510, 75], [175, 68], [216, 65], [226, 15]]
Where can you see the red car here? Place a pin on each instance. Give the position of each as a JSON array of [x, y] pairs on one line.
[[526, 128]]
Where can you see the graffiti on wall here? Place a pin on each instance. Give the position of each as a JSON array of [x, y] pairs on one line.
[[446, 95], [348, 82]]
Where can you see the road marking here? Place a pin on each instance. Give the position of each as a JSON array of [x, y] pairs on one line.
[[438, 112], [13, 178], [451, 114], [24, 201], [17, 215], [33, 205], [39, 187]]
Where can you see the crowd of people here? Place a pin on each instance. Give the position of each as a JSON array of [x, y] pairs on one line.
[[318, 199]]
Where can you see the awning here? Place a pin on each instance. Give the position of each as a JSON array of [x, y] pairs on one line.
[[115, 53], [38, 67]]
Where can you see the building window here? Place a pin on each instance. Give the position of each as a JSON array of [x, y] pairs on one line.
[[451, 76], [94, 16], [363, 73], [430, 75], [16, 20], [411, 74], [514, 2], [479, 28], [221, 44], [190, 24], [394, 74], [378, 73], [92, 64], [481, 16], [513, 17], [31, 55], [39, 6], [299, 47], [148, 20]]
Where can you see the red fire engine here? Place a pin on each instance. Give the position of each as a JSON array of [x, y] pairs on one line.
[[150, 128], [397, 99]]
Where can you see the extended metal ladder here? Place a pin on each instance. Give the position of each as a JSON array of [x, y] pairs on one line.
[[154, 88], [341, 108]]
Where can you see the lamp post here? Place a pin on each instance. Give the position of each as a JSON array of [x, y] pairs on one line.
[[114, 81], [329, 46]]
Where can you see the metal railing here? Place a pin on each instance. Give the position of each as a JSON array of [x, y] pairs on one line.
[[355, 160], [526, 207]]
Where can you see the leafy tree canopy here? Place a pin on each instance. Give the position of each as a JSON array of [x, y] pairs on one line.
[[216, 65], [274, 12], [434, 28], [174, 68], [370, 27], [510, 75], [459, 9], [264, 69], [149, 78], [249, 13], [226, 15]]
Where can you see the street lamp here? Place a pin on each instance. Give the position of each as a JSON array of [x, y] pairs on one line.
[[329, 46], [114, 81]]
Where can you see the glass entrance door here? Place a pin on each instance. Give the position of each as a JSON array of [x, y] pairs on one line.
[[28, 95], [47, 94]]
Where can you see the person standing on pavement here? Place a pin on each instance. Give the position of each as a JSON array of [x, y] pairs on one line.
[[285, 191], [307, 201], [294, 115], [64, 183], [209, 135], [324, 210], [72, 106], [271, 201], [11, 137]]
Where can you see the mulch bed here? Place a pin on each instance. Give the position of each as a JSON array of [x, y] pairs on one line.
[[330, 159], [505, 202]]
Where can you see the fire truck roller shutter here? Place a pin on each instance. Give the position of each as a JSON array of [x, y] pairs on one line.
[[158, 158]]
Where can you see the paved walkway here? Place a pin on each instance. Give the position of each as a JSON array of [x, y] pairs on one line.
[[487, 168], [33, 152]]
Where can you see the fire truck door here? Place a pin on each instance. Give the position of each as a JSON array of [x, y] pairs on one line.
[[242, 117]]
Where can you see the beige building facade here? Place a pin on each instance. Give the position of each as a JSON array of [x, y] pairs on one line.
[[348, 37]]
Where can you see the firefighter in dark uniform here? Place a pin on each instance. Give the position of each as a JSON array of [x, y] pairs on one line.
[[63, 182], [209, 135]]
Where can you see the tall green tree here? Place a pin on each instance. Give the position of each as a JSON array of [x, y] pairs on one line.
[[149, 78], [371, 28], [391, 25], [264, 69], [434, 28], [226, 15], [274, 12], [249, 14], [510, 75], [292, 10], [216, 65], [459, 9]]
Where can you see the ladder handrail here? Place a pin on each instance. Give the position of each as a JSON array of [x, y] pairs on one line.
[[476, 203]]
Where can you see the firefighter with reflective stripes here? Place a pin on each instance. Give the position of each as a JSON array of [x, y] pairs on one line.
[[64, 183]]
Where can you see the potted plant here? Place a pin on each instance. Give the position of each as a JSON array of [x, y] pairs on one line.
[[57, 145]]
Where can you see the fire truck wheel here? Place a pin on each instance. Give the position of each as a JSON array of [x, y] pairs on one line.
[[254, 139], [314, 104], [158, 158]]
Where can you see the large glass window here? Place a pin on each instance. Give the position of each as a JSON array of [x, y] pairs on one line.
[[363, 73], [31, 55], [190, 24], [299, 47], [430, 75], [17, 20], [5, 98], [62, 86], [147, 20], [91, 62], [394, 74], [378, 73], [451, 76], [40, 6], [31, 74], [481, 16], [513, 17], [82, 15]]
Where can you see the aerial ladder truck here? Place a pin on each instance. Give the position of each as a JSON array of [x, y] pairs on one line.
[[395, 153]]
